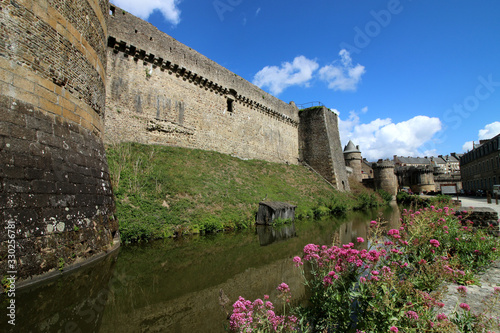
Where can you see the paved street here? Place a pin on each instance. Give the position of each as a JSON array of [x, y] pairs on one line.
[[479, 202]]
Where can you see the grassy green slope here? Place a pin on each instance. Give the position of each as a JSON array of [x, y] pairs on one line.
[[161, 191]]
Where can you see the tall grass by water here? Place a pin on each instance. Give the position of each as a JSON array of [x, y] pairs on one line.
[[165, 191]]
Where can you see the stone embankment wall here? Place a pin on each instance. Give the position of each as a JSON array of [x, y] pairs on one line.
[[56, 203], [160, 91], [484, 217]]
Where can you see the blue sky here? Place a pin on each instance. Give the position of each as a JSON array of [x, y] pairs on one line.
[[407, 77]]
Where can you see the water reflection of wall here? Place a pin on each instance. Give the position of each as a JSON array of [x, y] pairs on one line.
[[189, 313], [359, 226], [268, 234], [71, 303], [173, 286]]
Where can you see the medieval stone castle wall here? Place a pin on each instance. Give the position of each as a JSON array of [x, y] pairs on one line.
[[56, 203], [75, 73], [160, 91]]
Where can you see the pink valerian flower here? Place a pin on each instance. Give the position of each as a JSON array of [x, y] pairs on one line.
[[393, 329], [362, 279], [298, 261], [441, 316], [462, 290], [373, 223], [422, 261], [496, 290], [360, 239], [386, 269], [412, 315], [434, 242], [327, 280], [393, 232], [283, 287], [465, 306], [375, 273]]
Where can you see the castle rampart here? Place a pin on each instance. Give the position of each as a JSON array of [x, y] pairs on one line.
[[56, 201], [320, 145], [71, 75], [161, 91]]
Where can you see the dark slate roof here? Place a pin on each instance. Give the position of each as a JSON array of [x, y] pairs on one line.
[[276, 205], [414, 160], [351, 148]]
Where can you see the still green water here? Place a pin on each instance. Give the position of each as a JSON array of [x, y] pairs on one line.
[[174, 285]]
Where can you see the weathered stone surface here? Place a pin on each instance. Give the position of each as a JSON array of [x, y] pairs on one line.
[[478, 297], [160, 91], [320, 145], [56, 203], [271, 210], [480, 216]]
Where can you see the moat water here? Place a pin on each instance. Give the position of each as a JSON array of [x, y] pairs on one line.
[[174, 285]]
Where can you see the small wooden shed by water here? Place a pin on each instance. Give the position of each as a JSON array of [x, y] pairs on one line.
[[271, 210]]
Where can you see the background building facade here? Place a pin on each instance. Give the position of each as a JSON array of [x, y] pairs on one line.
[[480, 167]]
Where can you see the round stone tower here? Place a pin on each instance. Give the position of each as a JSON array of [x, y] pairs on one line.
[[384, 177], [426, 181], [56, 200], [352, 157]]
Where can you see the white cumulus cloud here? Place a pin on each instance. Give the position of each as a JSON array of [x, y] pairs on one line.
[[298, 72], [489, 131], [342, 74], [144, 8], [382, 138], [467, 146]]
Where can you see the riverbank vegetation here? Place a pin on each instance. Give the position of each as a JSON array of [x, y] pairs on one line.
[[392, 282], [167, 191]]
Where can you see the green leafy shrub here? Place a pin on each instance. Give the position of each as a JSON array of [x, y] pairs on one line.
[[320, 211], [391, 285], [387, 197]]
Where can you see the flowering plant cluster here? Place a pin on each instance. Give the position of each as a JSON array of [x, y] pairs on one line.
[[392, 284], [260, 316]]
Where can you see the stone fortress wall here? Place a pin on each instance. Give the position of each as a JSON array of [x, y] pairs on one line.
[[160, 91], [56, 202], [76, 73]]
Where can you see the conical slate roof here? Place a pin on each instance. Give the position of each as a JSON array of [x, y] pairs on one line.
[[351, 148]]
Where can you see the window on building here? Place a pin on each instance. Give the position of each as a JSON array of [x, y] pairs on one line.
[[230, 106]]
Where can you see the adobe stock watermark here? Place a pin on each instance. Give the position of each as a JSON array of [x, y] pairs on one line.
[[455, 116], [373, 28], [223, 6], [9, 281]]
